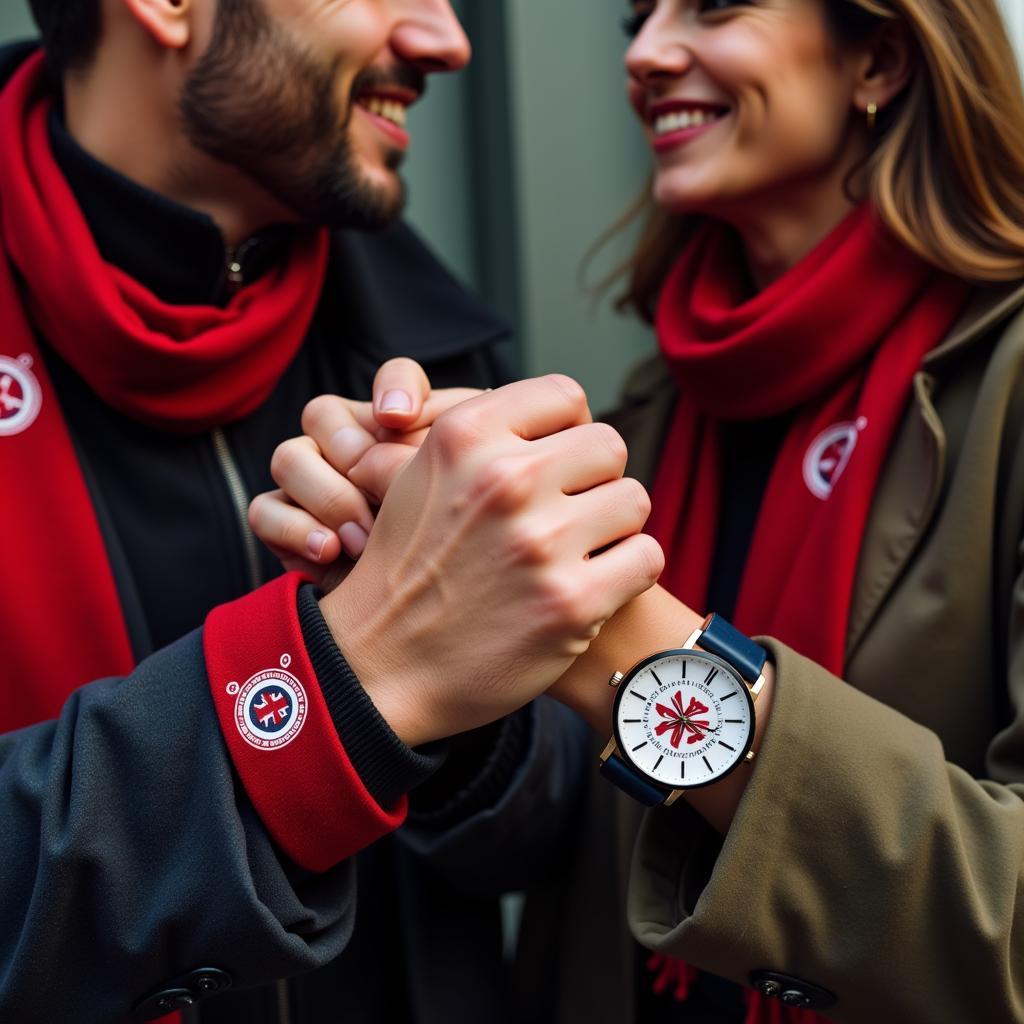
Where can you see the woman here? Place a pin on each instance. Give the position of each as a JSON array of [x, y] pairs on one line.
[[834, 437]]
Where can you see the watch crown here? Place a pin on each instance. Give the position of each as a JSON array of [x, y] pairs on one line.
[[616, 678]]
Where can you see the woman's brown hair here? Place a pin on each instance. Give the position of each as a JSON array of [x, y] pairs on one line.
[[947, 171]]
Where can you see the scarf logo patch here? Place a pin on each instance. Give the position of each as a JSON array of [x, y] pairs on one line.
[[828, 456], [270, 708], [21, 397]]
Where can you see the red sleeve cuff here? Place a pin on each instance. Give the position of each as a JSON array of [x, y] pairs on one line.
[[280, 734]]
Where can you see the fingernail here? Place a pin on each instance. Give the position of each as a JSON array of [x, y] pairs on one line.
[[347, 445], [316, 542], [395, 401], [353, 539]]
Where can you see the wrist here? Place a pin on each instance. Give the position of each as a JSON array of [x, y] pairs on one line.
[[399, 706], [653, 621], [387, 765]]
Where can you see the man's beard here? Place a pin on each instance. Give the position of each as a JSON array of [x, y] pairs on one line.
[[258, 101]]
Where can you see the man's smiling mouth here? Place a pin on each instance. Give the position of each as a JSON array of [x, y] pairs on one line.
[[388, 107]]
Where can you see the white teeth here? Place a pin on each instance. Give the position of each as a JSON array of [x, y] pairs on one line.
[[390, 110], [680, 119]]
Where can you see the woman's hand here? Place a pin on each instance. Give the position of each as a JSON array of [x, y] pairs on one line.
[[318, 513]]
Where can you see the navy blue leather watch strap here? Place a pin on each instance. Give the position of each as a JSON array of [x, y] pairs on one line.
[[723, 639], [617, 771]]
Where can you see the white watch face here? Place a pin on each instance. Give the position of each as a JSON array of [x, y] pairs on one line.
[[684, 719]]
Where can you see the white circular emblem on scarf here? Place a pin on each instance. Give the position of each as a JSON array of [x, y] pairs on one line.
[[21, 397], [829, 455]]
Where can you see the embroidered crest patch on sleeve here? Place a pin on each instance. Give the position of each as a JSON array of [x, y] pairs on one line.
[[270, 709]]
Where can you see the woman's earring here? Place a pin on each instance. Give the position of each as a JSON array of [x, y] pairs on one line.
[[872, 116]]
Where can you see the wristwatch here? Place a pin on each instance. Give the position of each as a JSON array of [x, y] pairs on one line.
[[684, 718]]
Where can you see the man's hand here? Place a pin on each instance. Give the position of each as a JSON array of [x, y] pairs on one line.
[[499, 550], [317, 513]]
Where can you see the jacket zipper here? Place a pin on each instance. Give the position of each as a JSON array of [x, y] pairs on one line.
[[235, 278], [240, 500], [284, 1013], [234, 264]]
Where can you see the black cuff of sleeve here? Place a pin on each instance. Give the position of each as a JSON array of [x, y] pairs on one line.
[[479, 769], [388, 768]]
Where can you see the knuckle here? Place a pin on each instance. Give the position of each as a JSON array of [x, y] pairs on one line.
[[571, 390], [649, 557], [565, 605], [506, 483], [258, 510], [454, 432], [530, 543], [637, 494], [318, 411], [285, 459], [610, 439]]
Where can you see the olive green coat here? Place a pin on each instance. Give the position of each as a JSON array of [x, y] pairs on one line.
[[879, 849]]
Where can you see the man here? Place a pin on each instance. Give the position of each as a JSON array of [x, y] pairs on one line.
[[201, 789]]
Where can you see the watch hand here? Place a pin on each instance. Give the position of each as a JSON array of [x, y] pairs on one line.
[[704, 728]]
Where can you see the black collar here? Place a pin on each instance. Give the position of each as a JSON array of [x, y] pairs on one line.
[[178, 253]]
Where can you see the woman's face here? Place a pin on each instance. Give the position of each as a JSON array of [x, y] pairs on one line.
[[745, 102]]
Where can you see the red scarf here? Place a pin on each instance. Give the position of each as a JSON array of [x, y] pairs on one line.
[[836, 342], [182, 369]]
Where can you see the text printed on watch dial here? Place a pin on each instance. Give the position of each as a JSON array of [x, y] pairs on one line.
[[684, 720]]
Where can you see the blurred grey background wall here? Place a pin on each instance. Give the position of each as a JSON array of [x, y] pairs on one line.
[[520, 163]]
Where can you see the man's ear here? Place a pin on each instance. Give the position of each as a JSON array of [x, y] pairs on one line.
[[886, 67], [169, 22]]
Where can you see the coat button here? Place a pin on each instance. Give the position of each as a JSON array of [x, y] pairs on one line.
[[204, 981], [792, 991], [794, 997], [182, 992], [161, 1003]]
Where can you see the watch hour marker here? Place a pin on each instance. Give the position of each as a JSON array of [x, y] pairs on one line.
[[728, 695], [639, 745], [711, 675], [708, 763], [727, 747], [656, 679], [684, 668], [658, 762], [734, 721], [682, 769], [631, 721], [640, 695]]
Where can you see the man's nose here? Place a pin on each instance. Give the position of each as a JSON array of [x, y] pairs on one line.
[[429, 36]]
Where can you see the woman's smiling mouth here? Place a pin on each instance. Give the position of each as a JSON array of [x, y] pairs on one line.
[[674, 122]]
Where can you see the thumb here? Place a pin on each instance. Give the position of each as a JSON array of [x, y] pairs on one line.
[[399, 391]]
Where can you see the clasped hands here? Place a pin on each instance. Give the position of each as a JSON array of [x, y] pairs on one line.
[[489, 537]]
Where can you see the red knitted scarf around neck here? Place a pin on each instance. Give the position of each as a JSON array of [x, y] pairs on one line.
[[183, 369], [836, 343]]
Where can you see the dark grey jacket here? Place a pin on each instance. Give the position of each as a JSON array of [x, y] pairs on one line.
[[130, 856]]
